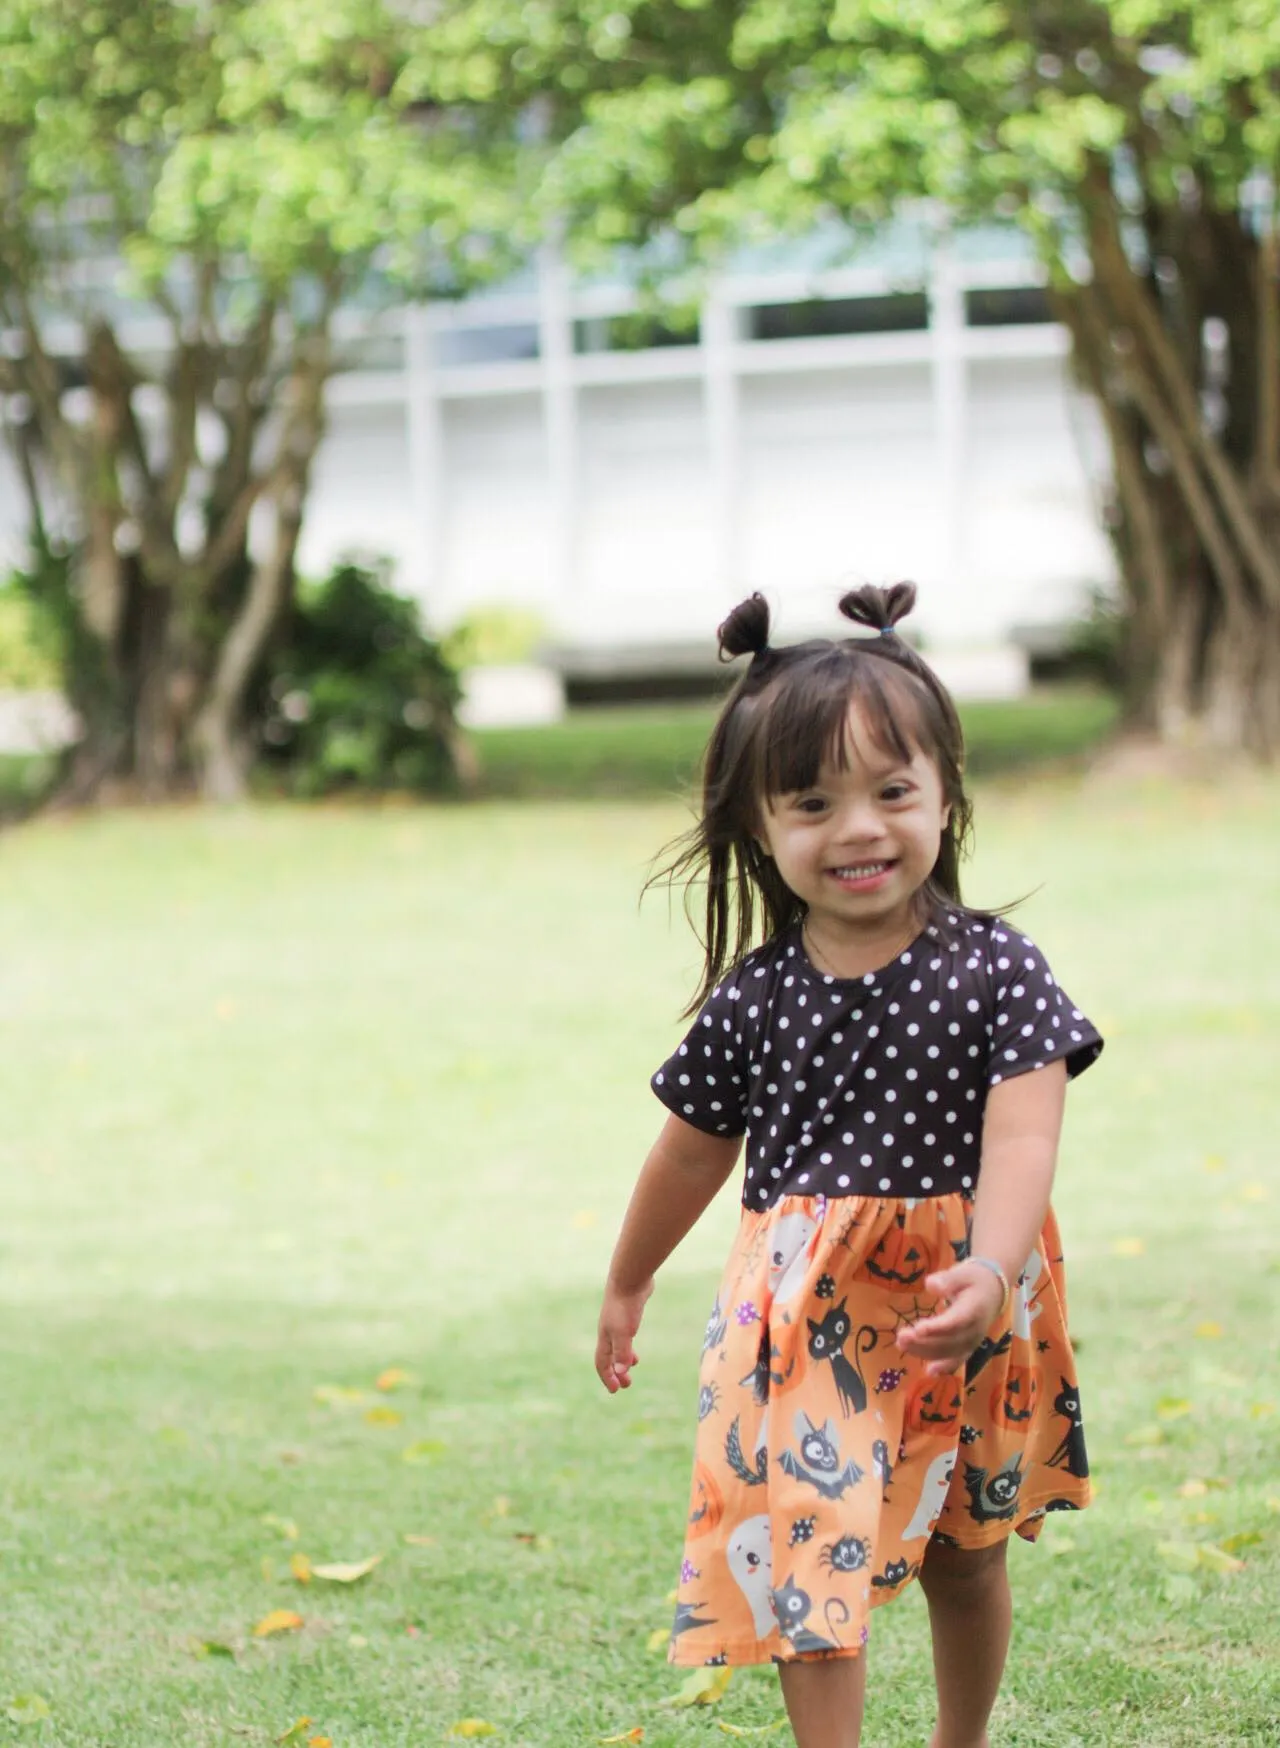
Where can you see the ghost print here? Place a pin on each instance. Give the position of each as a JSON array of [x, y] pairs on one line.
[[750, 1557], [790, 1253], [932, 1498]]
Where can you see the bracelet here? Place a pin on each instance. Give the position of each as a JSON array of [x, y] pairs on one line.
[[989, 1262]]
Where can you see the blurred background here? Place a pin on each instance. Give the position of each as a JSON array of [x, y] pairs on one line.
[[395, 399]]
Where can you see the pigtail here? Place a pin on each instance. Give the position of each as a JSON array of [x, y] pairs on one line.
[[746, 630], [879, 609]]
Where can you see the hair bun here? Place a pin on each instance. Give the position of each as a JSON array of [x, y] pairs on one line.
[[880, 609], [746, 630]]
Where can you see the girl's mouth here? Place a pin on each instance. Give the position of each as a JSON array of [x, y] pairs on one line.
[[861, 876]]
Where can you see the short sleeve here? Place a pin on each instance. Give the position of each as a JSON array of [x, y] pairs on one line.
[[1035, 1020], [704, 1080]]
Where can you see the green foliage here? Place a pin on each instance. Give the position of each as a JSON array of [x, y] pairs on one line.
[[359, 697], [28, 644], [493, 635]]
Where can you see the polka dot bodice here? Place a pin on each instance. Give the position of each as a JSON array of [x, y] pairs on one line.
[[872, 1085]]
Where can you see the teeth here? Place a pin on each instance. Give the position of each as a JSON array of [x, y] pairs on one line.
[[863, 871]]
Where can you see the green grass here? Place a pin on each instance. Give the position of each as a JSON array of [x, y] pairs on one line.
[[653, 750], [295, 1095]]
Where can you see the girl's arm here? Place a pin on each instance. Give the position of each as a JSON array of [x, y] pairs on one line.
[[1020, 1131], [678, 1180]]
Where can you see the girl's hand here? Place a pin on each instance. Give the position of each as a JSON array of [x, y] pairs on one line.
[[619, 1320], [971, 1298]]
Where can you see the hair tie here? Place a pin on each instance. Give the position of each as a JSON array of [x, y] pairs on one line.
[[887, 631]]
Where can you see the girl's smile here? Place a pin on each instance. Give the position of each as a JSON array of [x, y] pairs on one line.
[[857, 846]]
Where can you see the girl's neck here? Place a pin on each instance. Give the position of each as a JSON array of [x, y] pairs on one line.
[[838, 949]]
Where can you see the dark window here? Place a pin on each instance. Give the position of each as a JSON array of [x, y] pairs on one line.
[[895, 313], [631, 333], [371, 352], [505, 345], [1016, 307]]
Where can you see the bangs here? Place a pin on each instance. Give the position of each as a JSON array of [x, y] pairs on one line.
[[803, 720]]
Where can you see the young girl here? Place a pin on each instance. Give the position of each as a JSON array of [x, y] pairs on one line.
[[887, 1387]]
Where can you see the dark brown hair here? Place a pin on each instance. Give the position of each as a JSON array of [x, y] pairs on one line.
[[785, 716]]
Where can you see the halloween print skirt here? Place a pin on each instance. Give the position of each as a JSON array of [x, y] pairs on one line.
[[826, 1458]]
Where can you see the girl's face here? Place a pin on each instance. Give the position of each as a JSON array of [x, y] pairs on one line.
[[859, 844]]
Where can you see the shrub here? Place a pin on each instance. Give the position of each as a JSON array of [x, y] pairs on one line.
[[357, 696]]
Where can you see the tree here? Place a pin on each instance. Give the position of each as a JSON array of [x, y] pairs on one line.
[[1136, 141], [188, 193]]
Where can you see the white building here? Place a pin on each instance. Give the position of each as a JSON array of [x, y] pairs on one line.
[[909, 413]]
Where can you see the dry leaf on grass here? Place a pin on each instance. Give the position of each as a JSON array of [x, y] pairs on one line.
[[383, 1416], [211, 1648], [1172, 1407], [337, 1395], [636, 1735], [1209, 1330], [347, 1572], [1129, 1247], [705, 1687], [750, 1729], [658, 1639], [424, 1450], [27, 1708], [393, 1378], [319, 1742], [413, 1541], [300, 1566], [280, 1620], [472, 1727], [294, 1730], [287, 1527]]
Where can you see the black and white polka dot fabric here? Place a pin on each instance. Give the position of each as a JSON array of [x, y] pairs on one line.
[[872, 1085]]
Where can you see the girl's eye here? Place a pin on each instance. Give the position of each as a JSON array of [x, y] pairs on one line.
[[811, 804], [895, 792]]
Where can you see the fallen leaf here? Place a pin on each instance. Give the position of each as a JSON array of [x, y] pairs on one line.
[[1215, 1163], [584, 1218], [672, 1596], [1145, 1436], [300, 1566], [472, 1727], [419, 1541], [1180, 1587], [501, 1506], [347, 1572], [383, 1416], [280, 1620], [27, 1708], [287, 1527], [658, 1639], [211, 1648], [705, 1687], [319, 1742], [1184, 1555], [1218, 1559], [1241, 1539], [1254, 1193], [225, 1008], [1273, 1504], [1129, 1247], [394, 1378], [294, 1730], [336, 1395], [636, 1735], [1262, 1410], [1172, 1407], [358, 1640], [750, 1729], [1193, 1489], [1209, 1330], [425, 1450], [1060, 1544]]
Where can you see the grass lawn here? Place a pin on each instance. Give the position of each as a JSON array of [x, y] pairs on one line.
[[293, 1096], [653, 750]]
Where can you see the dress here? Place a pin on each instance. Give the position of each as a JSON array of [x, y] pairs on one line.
[[825, 1458]]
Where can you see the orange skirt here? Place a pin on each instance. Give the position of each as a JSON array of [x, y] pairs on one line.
[[826, 1458]]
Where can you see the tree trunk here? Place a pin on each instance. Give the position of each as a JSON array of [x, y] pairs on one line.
[[1197, 509]]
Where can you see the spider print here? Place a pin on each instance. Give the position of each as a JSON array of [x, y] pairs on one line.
[[826, 1287], [801, 1531], [708, 1400], [849, 1554]]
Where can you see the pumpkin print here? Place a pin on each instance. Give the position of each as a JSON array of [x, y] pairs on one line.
[[1014, 1400], [901, 1258], [707, 1505], [935, 1405]]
